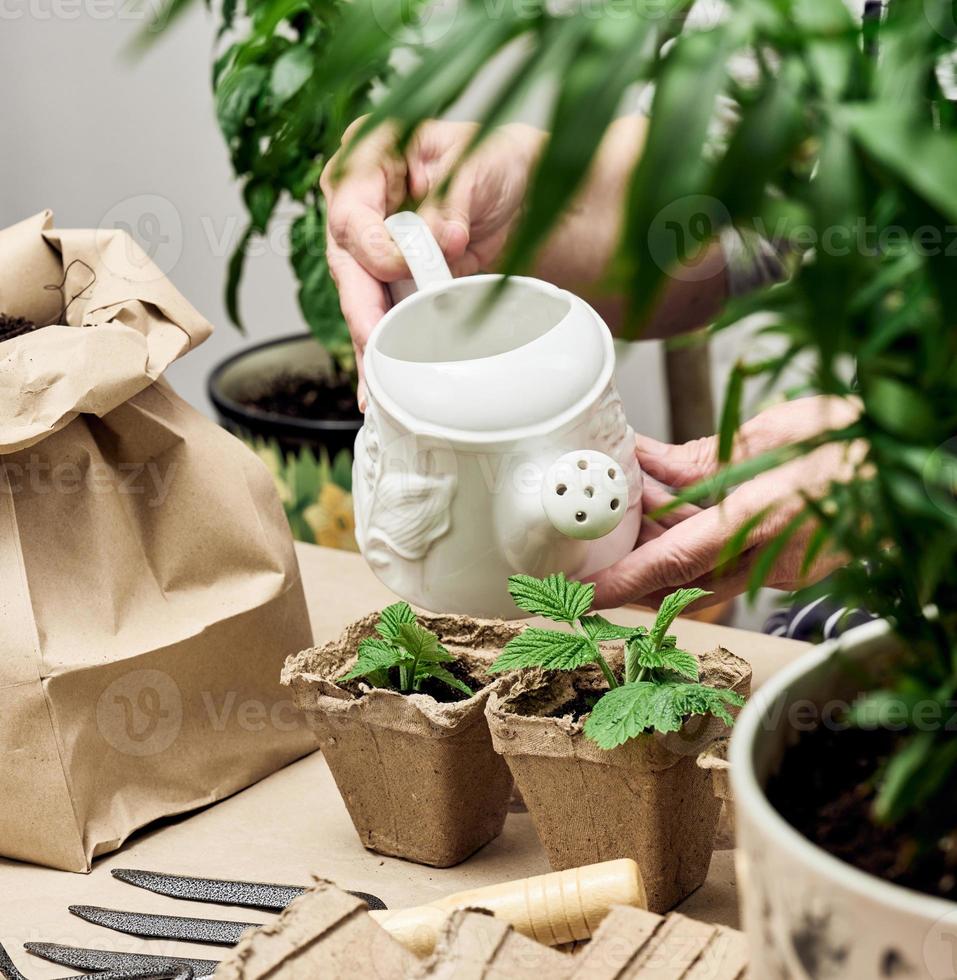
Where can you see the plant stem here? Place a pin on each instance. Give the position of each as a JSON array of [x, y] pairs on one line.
[[599, 659], [606, 670], [404, 683]]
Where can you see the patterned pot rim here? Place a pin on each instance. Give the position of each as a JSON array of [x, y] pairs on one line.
[[752, 804]]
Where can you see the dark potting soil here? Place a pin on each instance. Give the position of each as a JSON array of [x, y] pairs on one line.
[[579, 706], [825, 790], [300, 397], [433, 688], [15, 326], [445, 694]]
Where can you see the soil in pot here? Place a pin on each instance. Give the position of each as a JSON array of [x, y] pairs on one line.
[[302, 397], [15, 326], [418, 774], [647, 799], [825, 789]]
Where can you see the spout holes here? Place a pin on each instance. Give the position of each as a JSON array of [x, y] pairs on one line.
[[582, 464], [589, 492], [581, 516], [615, 504], [612, 474], [560, 489]]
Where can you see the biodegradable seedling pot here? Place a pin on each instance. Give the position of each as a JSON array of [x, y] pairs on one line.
[[647, 799], [419, 776]]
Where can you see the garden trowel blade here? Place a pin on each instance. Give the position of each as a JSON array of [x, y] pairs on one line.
[[108, 963], [247, 894], [218, 932]]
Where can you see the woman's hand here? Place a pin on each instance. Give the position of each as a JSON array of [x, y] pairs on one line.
[[470, 222], [684, 546]]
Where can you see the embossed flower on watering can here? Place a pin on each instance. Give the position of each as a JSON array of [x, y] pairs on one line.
[[331, 519]]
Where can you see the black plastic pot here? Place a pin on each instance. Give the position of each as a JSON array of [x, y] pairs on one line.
[[248, 372]]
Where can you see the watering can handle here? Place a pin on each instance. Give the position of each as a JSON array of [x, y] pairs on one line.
[[421, 252]]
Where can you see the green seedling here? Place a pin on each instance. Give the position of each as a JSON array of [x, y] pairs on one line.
[[659, 689], [403, 655]]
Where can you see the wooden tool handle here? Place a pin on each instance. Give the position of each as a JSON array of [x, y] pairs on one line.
[[553, 908]]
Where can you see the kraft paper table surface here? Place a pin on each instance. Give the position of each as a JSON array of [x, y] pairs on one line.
[[293, 824]]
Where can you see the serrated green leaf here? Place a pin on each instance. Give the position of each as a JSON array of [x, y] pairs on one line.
[[670, 608], [601, 630], [392, 618], [374, 655], [445, 676], [666, 657], [632, 709], [549, 649], [422, 645], [554, 597]]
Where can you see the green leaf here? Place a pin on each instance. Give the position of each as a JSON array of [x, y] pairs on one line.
[[260, 197], [234, 274], [235, 95], [422, 644], [923, 158], [600, 630], [374, 655], [553, 597], [665, 202], [664, 658], [730, 413], [437, 671], [632, 709], [549, 649], [392, 618], [670, 608], [290, 72], [318, 297], [591, 89]]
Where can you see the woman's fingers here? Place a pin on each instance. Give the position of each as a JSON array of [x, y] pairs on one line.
[[655, 497], [781, 425]]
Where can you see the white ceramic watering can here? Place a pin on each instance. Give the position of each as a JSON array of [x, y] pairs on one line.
[[494, 439]]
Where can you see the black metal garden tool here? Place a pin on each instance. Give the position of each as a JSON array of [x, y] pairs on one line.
[[246, 894], [123, 966], [8, 971], [218, 932]]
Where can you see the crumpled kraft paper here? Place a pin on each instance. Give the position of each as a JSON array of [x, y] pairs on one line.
[[149, 591]]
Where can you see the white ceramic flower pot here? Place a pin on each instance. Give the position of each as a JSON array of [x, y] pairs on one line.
[[808, 915], [494, 439]]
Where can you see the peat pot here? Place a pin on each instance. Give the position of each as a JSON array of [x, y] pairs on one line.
[[419, 777], [648, 799]]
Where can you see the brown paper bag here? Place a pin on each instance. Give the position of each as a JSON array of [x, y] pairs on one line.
[[149, 590]]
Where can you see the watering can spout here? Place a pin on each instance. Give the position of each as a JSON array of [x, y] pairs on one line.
[[585, 494]]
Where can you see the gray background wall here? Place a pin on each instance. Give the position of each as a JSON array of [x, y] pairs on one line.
[[105, 139]]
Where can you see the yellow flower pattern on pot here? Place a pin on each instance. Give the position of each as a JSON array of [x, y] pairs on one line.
[[316, 494], [331, 519]]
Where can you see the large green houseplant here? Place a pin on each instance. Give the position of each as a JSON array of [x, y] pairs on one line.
[[295, 402], [842, 148]]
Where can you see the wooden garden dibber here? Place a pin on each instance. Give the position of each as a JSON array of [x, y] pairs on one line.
[[554, 908]]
